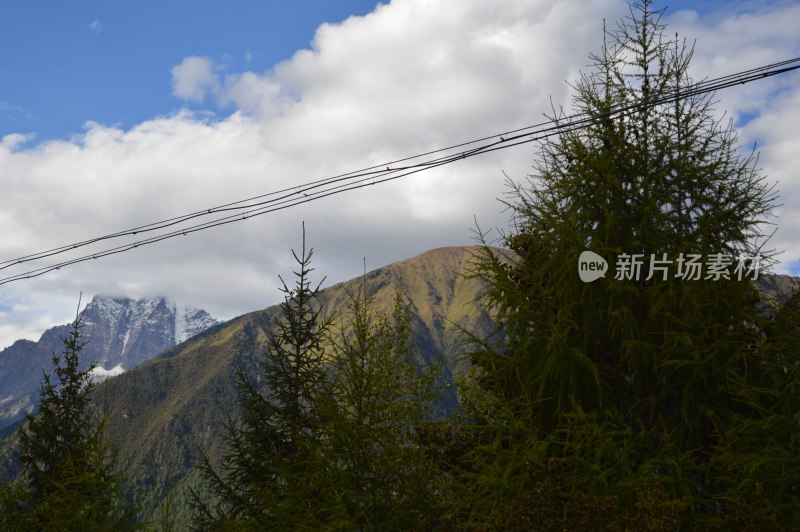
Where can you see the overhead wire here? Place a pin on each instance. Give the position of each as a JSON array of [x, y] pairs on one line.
[[506, 137], [376, 174], [708, 85]]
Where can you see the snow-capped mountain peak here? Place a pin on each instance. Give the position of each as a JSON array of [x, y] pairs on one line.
[[120, 333], [132, 330]]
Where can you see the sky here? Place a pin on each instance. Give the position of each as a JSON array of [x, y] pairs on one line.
[[118, 114]]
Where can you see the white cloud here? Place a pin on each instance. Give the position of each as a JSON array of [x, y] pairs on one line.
[[412, 76], [16, 140], [737, 42], [99, 373], [95, 26], [194, 78], [776, 131], [25, 315], [766, 111]]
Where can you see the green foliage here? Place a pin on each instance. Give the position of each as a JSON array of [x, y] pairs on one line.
[[758, 456], [682, 385], [162, 413], [327, 434], [375, 474], [69, 481], [14, 507], [264, 479]]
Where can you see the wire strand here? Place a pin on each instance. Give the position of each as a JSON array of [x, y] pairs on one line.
[[372, 175]]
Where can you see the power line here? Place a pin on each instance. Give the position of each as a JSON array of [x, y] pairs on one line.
[[312, 191], [506, 137]]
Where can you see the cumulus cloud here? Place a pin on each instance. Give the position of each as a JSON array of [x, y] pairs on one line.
[[758, 36], [766, 112], [775, 130], [27, 314], [412, 76], [16, 140], [194, 78]]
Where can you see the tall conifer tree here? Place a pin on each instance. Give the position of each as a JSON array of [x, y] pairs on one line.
[[375, 473], [264, 479], [637, 378], [69, 481]]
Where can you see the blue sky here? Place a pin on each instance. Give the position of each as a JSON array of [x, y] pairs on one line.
[[69, 62], [117, 114], [110, 62]]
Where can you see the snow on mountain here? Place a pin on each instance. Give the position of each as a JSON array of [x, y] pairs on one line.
[[100, 374], [190, 322], [120, 333], [131, 331]]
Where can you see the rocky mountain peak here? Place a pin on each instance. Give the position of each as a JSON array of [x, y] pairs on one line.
[[120, 333]]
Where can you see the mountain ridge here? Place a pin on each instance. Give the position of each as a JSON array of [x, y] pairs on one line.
[[120, 333], [167, 410], [164, 411]]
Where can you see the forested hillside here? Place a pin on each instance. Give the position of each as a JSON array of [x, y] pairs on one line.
[[163, 411], [487, 388], [120, 333], [162, 414]]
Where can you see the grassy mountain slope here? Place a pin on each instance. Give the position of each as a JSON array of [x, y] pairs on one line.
[[163, 411]]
